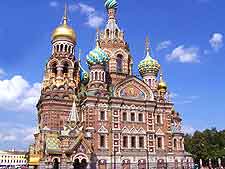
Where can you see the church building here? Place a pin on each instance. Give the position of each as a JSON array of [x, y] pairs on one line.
[[105, 117]]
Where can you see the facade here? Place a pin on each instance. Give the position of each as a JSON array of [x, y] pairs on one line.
[[106, 117], [12, 159]]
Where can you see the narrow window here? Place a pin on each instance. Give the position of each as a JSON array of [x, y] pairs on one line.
[[96, 75], [61, 47], [119, 62], [124, 116], [175, 144], [159, 140], [66, 48], [117, 33], [102, 115], [132, 117], [55, 164], [140, 117], [133, 142], [141, 142], [65, 68], [107, 33], [102, 141], [125, 141], [158, 119]]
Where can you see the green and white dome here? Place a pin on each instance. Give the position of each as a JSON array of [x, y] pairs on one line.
[[97, 55], [109, 4], [148, 65]]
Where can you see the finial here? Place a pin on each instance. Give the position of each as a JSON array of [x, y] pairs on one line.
[[147, 45], [97, 38], [65, 17], [161, 75]]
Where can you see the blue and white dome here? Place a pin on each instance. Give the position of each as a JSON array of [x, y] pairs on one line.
[[97, 56], [109, 4]]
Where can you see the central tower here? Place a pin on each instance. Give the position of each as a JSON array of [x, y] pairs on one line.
[[113, 43]]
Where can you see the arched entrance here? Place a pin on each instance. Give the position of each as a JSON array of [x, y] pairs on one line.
[[55, 163], [80, 161], [80, 164]]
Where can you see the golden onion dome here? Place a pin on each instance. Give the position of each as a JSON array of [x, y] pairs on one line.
[[64, 30], [162, 84]]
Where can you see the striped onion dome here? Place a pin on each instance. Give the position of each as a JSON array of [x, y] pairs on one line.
[[109, 4]]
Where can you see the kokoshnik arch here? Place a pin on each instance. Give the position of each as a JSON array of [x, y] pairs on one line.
[[106, 117]]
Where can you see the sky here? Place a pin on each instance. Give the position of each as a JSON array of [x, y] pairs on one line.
[[186, 36]]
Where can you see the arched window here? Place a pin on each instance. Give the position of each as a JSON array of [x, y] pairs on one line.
[[54, 69], [117, 33], [158, 119], [57, 48], [96, 75], [69, 49], [119, 63], [107, 33], [65, 68], [66, 48], [56, 164], [140, 117], [61, 47], [175, 144]]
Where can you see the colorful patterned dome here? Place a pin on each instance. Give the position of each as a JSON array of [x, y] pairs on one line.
[[97, 55], [148, 65], [109, 4]]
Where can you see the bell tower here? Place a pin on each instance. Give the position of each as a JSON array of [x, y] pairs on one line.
[[61, 78], [113, 43]]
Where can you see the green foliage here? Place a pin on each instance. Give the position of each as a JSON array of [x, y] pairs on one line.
[[209, 144]]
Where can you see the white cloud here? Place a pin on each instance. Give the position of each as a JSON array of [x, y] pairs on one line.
[[18, 95], [53, 4], [15, 135], [216, 41], [164, 45], [184, 55], [94, 20]]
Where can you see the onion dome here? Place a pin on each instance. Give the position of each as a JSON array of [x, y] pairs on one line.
[[109, 4], [162, 84], [64, 30], [148, 65], [97, 55]]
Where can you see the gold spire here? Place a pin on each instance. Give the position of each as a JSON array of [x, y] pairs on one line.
[[65, 17], [147, 44], [64, 30]]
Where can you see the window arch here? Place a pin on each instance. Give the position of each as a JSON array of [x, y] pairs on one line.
[[119, 63]]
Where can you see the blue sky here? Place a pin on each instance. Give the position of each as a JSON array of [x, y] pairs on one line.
[[187, 37]]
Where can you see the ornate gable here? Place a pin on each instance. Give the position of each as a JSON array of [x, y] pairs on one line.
[[103, 130], [133, 88]]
